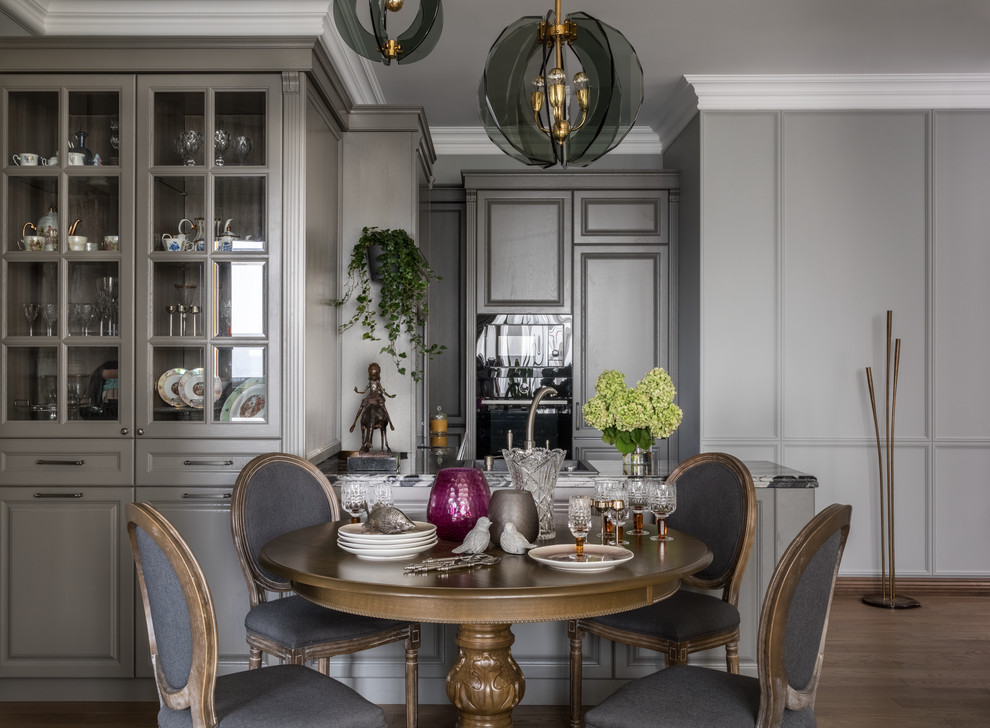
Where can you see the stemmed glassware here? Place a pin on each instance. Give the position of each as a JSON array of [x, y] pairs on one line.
[[353, 497], [663, 502], [49, 314], [579, 521], [637, 502], [86, 314], [618, 512], [106, 304], [221, 138], [603, 499], [383, 494], [31, 313]]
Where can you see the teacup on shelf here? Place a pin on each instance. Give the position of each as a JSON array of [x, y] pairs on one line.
[[77, 242]]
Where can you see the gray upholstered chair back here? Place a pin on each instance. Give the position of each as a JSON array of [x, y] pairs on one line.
[[276, 493], [795, 613], [178, 608], [716, 503]]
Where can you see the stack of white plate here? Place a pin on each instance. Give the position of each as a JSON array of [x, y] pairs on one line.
[[386, 547]]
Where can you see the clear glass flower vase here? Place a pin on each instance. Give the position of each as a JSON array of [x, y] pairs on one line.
[[536, 470]]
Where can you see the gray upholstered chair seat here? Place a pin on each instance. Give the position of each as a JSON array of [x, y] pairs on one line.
[[296, 622], [283, 695], [684, 696], [683, 616]]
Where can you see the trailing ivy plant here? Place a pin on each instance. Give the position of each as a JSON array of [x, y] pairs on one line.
[[402, 301]]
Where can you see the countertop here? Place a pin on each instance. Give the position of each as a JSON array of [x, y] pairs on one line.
[[418, 470]]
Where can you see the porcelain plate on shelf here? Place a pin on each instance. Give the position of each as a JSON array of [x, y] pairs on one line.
[[168, 386], [248, 401], [597, 557], [192, 387]]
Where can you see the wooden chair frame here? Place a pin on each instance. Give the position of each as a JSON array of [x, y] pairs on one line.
[[776, 694], [260, 583], [198, 692], [676, 652]]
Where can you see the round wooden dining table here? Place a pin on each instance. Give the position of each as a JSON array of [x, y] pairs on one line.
[[485, 683]]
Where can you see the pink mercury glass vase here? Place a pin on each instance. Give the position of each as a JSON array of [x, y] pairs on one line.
[[458, 499]]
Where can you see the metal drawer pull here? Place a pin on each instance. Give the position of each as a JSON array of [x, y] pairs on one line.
[[208, 462], [211, 496], [59, 462], [58, 495]]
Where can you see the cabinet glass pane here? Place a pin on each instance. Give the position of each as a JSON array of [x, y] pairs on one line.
[[32, 380], [177, 307], [240, 209], [245, 390], [94, 293], [30, 286], [32, 124], [178, 137], [179, 206], [240, 128], [28, 201], [92, 389], [178, 389], [94, 127], [240, 305], [94, 213]]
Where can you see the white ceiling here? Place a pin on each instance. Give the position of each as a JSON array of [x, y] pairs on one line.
[[673, 38]]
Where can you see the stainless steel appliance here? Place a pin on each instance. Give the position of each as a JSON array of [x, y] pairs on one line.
[[516, 355]]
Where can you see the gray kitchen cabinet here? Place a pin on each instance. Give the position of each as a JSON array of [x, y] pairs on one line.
[[523, 243], [624, 216], [66, 582], [621, 321], [202, 516]]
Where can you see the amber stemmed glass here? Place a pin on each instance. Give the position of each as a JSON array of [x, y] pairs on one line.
[[663, 502], [353, 497], [579, 521], [619, 512], [637, 502], [602, 502]]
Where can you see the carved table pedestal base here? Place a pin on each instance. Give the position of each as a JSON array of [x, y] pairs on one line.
[[485, 683]]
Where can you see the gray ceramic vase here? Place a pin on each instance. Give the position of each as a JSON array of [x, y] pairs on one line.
[[518, 506]]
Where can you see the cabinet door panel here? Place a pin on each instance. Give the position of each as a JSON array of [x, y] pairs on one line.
[[202, 516], [524, 243], [67, 583], [621, 317], [621, 216]]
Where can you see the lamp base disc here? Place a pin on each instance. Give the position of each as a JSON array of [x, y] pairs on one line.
[[898, 602]]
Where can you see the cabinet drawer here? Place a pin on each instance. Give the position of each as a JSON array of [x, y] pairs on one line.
[[621, 216], [203, 462], [66, 462]]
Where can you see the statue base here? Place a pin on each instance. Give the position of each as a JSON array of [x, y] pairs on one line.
[[373, 462]]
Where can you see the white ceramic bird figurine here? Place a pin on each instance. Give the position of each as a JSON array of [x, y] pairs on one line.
[[477, 539], [513, 542]]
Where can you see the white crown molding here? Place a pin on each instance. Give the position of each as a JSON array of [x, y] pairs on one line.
[[171, 17], [873, 91], [472, 140], [678, 110], [30, 14]]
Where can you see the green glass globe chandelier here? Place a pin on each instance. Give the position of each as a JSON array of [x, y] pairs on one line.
[[531, 111], [414, 44]]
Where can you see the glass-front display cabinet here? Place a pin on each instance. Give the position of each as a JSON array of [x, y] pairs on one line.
[[209, 234], [67, 211]]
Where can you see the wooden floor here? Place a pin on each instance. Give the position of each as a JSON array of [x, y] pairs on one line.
[[927, 667]]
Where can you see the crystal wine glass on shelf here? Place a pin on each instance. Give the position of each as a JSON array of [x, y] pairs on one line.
[[353, 497], [31, 311], [637, 502], [579, 522], [603, 492], [87, 312], [619, 512], [663, 502], [49, 314]]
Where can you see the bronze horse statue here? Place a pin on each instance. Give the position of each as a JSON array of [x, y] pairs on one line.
[[372, 412]]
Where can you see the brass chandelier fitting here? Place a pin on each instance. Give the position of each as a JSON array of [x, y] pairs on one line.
[[559, 122], [412, 45]]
